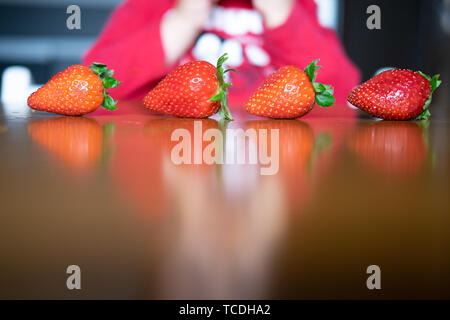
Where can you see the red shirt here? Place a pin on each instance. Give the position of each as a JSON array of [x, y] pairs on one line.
[[131, 45]]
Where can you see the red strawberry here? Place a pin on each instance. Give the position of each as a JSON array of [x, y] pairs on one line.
[[396, 95], [290, 93], [75, 91], [194, 90]]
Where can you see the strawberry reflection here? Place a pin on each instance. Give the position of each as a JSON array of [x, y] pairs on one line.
[[391, 147], [189, 143], [300, 148], [296, 140], [219, 226], [217, 237], [226, 234], [76, 141], [143, 154]]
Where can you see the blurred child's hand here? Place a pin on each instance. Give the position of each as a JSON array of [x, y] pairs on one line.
[[194, 12], [275, 12], [181, 26]]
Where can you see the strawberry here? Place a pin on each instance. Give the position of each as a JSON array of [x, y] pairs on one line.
[[76, 90], [290, 93], [194, 90], [396, 95]]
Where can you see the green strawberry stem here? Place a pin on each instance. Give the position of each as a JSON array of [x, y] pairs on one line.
[[222, 96], [435, 83], [324, 93], [106, 75]]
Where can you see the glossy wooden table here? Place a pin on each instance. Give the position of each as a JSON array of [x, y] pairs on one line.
[[102, 193]]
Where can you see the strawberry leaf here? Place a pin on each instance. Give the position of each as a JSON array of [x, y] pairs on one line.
[[228, 70], [311, 70], [424, 115], [435, 83], [325, 99], [98, 68], [106, 75], [318, 87], [222, 95], [424, 75], [110, 83], [324, 93], [217, 97], [109, 103]]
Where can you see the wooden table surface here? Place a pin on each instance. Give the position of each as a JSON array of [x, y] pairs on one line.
[[101, 192]]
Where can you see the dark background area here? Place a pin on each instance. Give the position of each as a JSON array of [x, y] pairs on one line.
[[414, 35], [34, 33], [411, 36]]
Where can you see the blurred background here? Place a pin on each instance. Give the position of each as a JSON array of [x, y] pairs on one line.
[[102, 193], [415, 34]]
